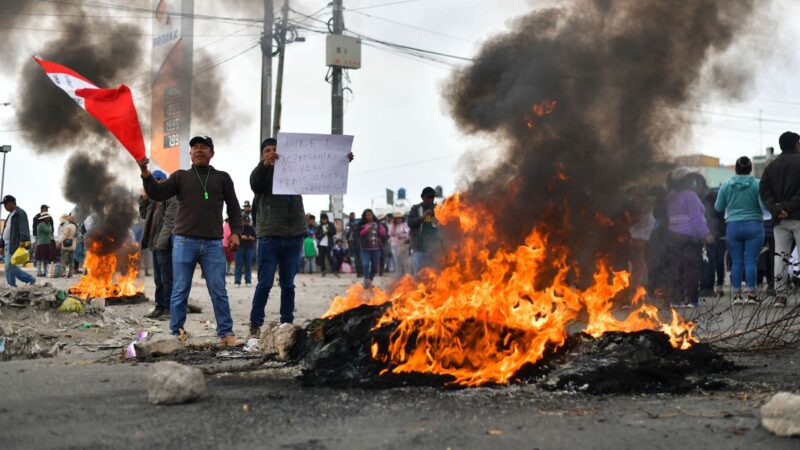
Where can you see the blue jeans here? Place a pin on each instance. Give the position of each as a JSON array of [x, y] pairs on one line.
[[162, 276], [744, 244], [370, 258], [244, 263], [186, 253], [14, 272], [283, 254]]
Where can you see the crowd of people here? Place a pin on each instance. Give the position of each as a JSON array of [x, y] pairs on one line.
[[56, 250], [751, 226], [681, 245]]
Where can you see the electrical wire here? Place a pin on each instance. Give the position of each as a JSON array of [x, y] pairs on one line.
[[371, 16], [119, 7], [385, 4], [414, 163]]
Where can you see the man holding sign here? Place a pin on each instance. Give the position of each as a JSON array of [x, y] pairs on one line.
[[280, 218]]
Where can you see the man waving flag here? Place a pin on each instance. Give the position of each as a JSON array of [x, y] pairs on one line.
[[112, 107]]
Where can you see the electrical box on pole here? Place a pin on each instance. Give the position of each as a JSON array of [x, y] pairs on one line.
[[343, 51]]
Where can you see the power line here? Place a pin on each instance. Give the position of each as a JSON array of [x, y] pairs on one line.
[[414, 163], [106, 32], [308, 17], [311, 16], [356, 11], [119, 7], [409, 48], [385, 4]]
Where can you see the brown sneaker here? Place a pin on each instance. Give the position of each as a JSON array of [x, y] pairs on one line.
[[230, 341], [255, 331]]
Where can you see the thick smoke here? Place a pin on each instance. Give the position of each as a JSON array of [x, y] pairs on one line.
[[105, 54], [97, 190], [622, 73], [108, 52], [212, 111]]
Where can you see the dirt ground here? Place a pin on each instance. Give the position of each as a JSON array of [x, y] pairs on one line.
[[116, 326]]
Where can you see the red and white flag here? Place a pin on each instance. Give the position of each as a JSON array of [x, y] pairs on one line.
[[112, 107]]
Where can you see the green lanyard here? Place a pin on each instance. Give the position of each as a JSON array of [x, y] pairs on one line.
[[203, 184]]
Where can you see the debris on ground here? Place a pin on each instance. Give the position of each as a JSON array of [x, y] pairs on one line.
[[338, 352], [781, 414], [18, 341], [158, 346], [281, 339], [41, 297], [170, 383], [618, 362], [71, 305], [193, 306], [135, 299]]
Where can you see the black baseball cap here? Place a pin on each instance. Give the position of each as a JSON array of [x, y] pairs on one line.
[[202, 140], [9, 199], [44, 207], [428, 192]]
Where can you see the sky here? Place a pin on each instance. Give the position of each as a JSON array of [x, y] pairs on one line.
[[404, 136]]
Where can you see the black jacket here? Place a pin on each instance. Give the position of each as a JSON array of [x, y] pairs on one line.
[[331, 234], [163, 221], [275, 215], [780, 186], [415, 219], [19, 229]]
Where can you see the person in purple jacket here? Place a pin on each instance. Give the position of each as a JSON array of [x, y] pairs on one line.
[[687, 233]]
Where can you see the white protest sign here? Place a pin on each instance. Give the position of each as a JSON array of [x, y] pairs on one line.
[[311, 164]]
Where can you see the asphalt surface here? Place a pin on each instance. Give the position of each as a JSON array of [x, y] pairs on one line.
[[52, 404]]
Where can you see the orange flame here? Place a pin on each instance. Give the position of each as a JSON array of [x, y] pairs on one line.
[[482, 317], [540, 109], [100, 271]]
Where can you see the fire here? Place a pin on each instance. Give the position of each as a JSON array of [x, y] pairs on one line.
[[540, 109], [482, 316], [100, 271]]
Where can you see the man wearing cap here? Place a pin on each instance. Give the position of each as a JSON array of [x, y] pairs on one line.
[[425, 239], [200, 192], [280, 226], [159, 220], [15, 235]]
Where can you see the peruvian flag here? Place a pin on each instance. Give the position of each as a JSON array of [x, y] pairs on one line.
[[112, 107]]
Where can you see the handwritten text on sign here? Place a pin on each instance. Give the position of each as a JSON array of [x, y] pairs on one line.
[[311, 164]]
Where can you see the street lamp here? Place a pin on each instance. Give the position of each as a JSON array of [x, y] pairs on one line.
[[5, 149]]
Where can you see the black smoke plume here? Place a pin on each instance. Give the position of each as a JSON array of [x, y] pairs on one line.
[[98, 191], [108, 54], [621, 74]]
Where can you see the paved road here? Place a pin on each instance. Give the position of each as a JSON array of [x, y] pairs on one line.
[[49, 405]]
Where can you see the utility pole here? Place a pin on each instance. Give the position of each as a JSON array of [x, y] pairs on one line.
[[4, 149], [336, 204], [266, 73], [279, 86]]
